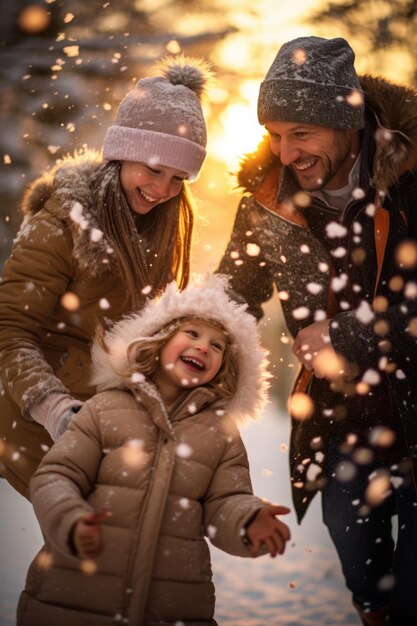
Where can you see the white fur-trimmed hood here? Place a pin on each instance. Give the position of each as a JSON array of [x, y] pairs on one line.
[[205, 298]]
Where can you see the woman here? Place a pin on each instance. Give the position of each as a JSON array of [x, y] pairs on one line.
[[99, 234]]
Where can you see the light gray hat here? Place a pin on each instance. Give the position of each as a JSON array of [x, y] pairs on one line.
[[161, 122], [313, 81]]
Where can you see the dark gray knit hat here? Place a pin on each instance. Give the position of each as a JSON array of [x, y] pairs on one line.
[[313, 81]]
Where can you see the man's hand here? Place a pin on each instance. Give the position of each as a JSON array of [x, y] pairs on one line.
[[310, 341], [314, 350], [266, 529], [87, 535]]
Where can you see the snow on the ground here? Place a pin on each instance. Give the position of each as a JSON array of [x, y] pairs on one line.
[[304, 587]]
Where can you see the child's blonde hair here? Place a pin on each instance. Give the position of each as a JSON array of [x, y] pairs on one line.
[[143, 356]]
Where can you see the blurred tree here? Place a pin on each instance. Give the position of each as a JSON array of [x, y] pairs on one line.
[[382, 29]]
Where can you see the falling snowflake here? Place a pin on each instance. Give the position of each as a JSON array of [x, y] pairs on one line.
[[313, 471], [211, 531], [371, 377], [96, 235], [358, 193], [88, 566], [104, 303], [314, 288], [364, 312], [252, 249], [339, 252], [335, 229], [345, 471], [137, 377], [133, 453], [370, 210], [184, 450], [339, 282], [378, 489], [301, 313]]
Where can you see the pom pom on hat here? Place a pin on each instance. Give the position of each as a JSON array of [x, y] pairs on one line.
[[161, 120], [191, 72]]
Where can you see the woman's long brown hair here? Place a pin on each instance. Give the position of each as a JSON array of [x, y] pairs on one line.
[[152, 249]]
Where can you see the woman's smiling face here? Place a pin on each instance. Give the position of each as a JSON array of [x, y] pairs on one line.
[[146, 186]]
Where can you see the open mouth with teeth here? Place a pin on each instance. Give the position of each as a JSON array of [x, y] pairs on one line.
[[144, 196], [193, 363], [305, 165]]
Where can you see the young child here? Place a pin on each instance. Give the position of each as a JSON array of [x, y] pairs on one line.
[[149, 466]]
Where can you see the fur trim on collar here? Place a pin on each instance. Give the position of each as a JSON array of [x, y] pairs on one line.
[[66, 193], [395, 110], [207, 299]]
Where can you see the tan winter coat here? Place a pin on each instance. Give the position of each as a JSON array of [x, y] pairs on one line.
[[45, 347], [167, 481]]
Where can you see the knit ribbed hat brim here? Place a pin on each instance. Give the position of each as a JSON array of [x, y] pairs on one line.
[[153, 148], [331, 106]]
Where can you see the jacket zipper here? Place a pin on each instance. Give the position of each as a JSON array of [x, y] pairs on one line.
[[129, 575]]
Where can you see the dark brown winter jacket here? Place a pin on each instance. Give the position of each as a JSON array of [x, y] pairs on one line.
[[317, 274]]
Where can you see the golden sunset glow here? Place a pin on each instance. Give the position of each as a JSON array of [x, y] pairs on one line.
[[237, 131]]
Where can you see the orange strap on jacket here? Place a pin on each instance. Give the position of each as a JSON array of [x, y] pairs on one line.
[[381, 230]]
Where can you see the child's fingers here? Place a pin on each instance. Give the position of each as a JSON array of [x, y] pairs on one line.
[[98, 517], [278, 509], [279, 542], [271, 546], [87, 538], [283, 530], [255, 548], [91, 551]]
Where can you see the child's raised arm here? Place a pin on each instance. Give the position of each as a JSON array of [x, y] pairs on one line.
[[266, 529]]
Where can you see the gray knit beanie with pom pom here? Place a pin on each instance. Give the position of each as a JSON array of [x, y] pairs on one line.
[[161, 122]]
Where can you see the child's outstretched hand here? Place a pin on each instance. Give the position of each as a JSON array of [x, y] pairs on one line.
[[87, 536], [266, 529]]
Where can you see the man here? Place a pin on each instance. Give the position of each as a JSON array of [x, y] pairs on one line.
[[331, 222]]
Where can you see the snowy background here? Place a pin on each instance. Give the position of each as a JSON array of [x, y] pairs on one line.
[[304, 587]]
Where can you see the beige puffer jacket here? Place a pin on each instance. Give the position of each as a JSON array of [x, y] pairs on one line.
[[45, 347], [168, 480]]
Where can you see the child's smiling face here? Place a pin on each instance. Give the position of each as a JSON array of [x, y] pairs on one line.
[[190, 358]]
